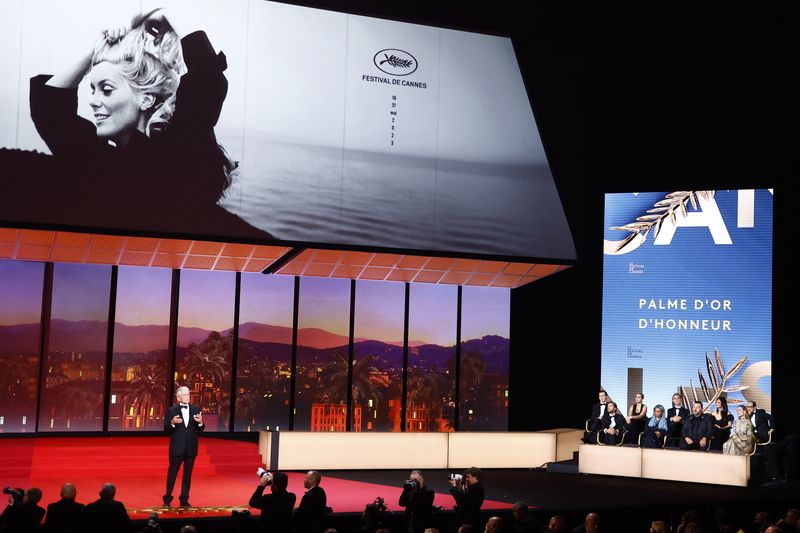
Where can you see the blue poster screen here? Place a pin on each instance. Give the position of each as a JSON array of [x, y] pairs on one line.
[[687, 297]]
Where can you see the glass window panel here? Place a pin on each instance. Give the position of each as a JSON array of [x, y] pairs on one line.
[[21, 285], [323, 342], [378, 356], [485, 324], [430, 402], [205, 342], [266, 308], [141, 358], [75, 367]]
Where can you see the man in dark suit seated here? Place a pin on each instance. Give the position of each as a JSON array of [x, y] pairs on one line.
[[106, 514], [696, 431], [612, 425], [761, 420], [23, 514], [276, 508], [183, 423], [675, 417], [64, 516], [309, 517], [595, 422]]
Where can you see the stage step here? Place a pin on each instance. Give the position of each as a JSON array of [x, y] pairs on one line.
[[570, 466]]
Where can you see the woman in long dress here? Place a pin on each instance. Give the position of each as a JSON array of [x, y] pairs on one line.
[[742, 438]]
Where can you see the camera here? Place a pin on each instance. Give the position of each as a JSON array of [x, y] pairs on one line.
[[16, 494], [411, 484], [458, 478], [381, 505], [261, 473]]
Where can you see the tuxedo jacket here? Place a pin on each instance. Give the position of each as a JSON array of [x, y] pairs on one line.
[[619, 422], [762, 424], [596, 411], [183, 438]]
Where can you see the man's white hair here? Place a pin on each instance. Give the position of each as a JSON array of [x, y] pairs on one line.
[[181, 389]]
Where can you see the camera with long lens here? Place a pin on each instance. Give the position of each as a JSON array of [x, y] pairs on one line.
[[458, 478], [261, 473], [16, 494], [411, 484]]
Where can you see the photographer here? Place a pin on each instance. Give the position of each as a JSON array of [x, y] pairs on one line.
[[417, 498], [276, 508], [22, 514], [468, 494]]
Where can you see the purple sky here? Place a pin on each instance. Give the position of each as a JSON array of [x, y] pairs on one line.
[[325, 303], [206, 299], [432, 313], [379, 310], [81, 292], [485, 311], [267, 299], [20, 292], [143, 296]]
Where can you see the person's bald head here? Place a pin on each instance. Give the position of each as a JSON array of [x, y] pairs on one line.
[[494, 525], [68, 491], [592, 523], [108, 491]]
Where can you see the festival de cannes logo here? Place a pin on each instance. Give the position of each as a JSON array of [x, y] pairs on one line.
[[395, 62]]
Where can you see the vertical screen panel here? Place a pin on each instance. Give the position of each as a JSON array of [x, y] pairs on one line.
[[141, 358], [75, 366], [430, 402], [205, 342], [323, 343], [378, 356], [700, 281], [485, 324], [20, 334], [264, 362]]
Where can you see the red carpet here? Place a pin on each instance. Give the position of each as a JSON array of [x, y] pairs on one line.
[[224, 474]]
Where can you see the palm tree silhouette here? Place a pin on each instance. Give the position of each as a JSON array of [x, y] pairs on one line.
[[427, 390], [334, 376], [209, 362], [76, 401], [150, 390], [15, 372]]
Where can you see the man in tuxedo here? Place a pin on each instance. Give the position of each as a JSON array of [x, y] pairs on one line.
[[595, 423], [612, 425], [675, 417], [65, 514], [761, 421], [309, 517], [106, 514], [183, 423], [696, 431]]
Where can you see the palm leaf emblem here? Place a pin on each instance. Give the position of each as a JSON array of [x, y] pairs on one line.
[[396, 62]]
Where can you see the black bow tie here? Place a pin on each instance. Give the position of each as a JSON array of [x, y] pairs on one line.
[[184, 405]]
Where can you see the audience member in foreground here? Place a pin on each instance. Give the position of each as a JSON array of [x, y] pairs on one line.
[[276, 507], [309, 517], [742, 439], [494, 525], [106, 514], [590, 525], [64, 515], [696, 430], [557, 524], [23, 515], [469, 496], [659, 527], [524, 521]]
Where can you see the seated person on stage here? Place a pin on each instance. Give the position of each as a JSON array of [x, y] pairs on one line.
[[417, 498], [595, 422], [721, 423], [675, 417], [656, 429], [636, 419], [761, 420], [309, 517], [696, 429], [106, 514], [23, 513], [469, 496], [613, 425], [276, 507], [742, 439], [65, 514]]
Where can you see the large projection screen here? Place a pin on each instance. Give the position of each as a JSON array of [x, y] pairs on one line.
[[699, 284], [346, 130]]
